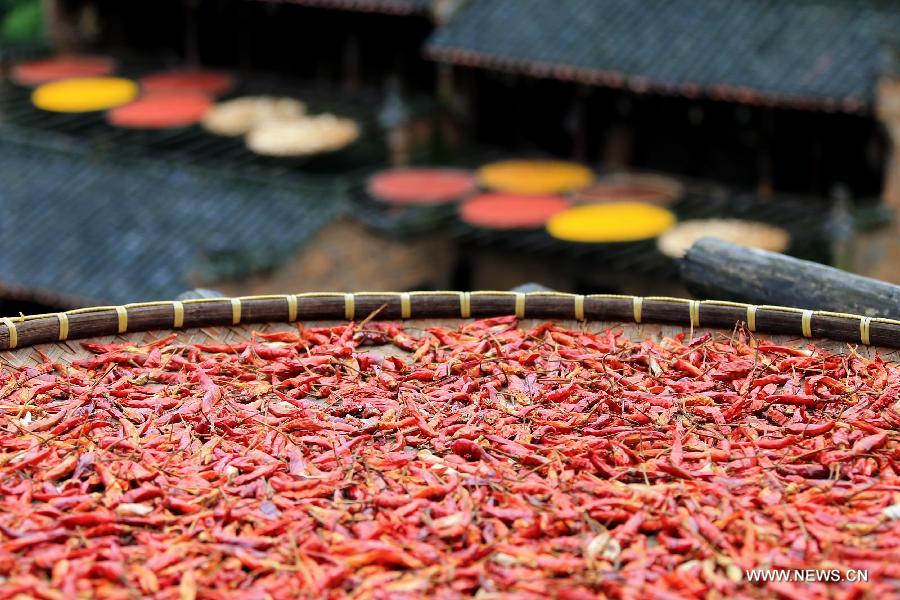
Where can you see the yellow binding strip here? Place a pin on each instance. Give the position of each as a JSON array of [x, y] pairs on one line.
[[11, 331], [493, 293], [63, 326], [205, 300], [668, 299], [292, 307], [724, 303], [806, 323], [864, 325], [123, 318], [89, 309], [465, 305], [520, 305], [320, 295], [405, 305], [751, 317], [579, 307], [177, 314], [787, 309], [610, 296], [637, 304], [838, 315], [148, 304], [235, 311], [349, 307], [694, 311]]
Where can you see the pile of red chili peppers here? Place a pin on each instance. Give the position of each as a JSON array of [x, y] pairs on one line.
[[487, 460]]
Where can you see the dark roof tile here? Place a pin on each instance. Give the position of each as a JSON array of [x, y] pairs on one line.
[[803, 52]]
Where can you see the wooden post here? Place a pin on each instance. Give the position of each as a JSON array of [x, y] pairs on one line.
[[191, 33], [887, 106], [618, 149], [579, 134], [722, 271], [766, 167], [245, 39], [448, 93], [351, 75], [61, 26]]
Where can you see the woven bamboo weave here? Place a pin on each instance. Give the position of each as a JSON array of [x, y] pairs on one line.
[[71, 350], [623, 311]]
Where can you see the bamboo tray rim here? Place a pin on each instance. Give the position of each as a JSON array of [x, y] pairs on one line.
[[82, 323]]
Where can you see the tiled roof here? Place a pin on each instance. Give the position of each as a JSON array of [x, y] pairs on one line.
[[77, 227], [393, 7], [807, 53]]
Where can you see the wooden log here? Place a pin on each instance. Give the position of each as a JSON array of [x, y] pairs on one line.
[[531, 287], [716, 269], [199, 293]]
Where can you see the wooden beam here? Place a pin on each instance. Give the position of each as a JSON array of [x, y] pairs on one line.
[[716, 269]]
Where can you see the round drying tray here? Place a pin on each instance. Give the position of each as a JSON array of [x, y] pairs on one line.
[[399, 222], [229, 317]]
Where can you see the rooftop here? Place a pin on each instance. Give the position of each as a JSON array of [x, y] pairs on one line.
[[821, 54], [87, 228]]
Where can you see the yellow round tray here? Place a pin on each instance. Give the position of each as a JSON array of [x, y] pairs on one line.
[[85, 94], [613, 222], [536, 177]]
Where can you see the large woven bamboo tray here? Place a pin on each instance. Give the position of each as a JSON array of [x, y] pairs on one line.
[[27, 341], [232, 319]]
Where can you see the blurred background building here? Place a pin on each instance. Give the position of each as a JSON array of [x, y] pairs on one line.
[[783, 112]]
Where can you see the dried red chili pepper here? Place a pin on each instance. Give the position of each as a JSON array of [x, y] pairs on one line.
[[486, 460]]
